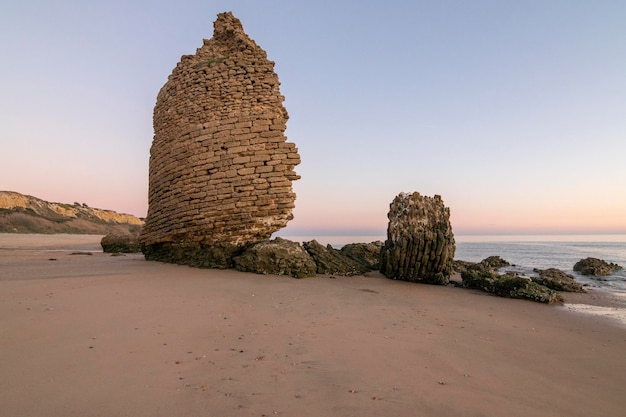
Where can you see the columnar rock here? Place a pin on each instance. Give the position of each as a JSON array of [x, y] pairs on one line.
[[221, 170], [420, 243]]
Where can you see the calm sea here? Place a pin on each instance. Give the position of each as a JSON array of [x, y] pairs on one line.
[[551, 251], [526, 252]]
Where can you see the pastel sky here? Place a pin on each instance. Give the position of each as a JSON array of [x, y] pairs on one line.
[[513, 111]]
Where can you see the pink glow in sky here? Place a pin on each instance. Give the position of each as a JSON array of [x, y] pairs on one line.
[[513, 112]]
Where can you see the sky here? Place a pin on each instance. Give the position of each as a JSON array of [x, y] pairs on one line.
[[513, 111]]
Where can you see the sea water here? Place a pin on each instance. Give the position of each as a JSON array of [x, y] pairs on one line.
[[527, 253]]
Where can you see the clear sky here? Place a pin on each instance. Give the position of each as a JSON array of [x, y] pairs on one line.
[[513, 111]]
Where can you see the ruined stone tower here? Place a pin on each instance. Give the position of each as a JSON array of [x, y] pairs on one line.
[[221, 170]]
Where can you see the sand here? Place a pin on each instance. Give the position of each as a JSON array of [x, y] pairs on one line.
[[101, 335]]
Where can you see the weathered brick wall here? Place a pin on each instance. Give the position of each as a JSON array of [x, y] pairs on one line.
[[221, 170]]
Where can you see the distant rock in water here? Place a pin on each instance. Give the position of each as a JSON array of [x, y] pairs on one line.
[[420, 244], [494, 262], [21, 213], [595, 266]]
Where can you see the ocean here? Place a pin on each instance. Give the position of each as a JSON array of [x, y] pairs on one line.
[[550, 251]]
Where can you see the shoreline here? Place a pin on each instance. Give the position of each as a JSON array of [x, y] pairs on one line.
[[597, 301], [117, 335]]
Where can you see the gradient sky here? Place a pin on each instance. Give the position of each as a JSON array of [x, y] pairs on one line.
[[513, 111]]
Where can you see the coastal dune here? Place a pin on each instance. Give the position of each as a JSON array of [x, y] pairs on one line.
[[100, 335]]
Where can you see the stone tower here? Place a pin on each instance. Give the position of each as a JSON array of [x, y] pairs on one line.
[[420, 244], [221, 170]]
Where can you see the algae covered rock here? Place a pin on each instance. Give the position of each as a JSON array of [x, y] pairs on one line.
[[494, 262], [277, 257], [557, 280], [491, 263], [595, 266], [508, 285], [460, 266], [332, 261], [366, 254]]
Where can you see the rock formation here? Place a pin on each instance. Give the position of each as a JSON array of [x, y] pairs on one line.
[[481, 277], [420, 243], [494, 262], [221, 170], [120, 243], [332, 261], [558, 280], [276, 257], [595, 266], [284, 257], [366, 254]]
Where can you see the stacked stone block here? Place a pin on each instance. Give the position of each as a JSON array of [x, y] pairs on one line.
[[221, 170]]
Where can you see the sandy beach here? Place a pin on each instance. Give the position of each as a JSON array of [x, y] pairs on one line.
[[101, 335]]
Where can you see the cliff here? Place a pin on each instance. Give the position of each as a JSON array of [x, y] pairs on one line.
[[21, 213]]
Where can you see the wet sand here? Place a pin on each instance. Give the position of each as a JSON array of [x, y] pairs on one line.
[[101, 335]]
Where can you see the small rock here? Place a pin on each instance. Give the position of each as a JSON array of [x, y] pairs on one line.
[[120, 243]]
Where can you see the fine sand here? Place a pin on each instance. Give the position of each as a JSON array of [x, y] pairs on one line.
[[101, 335]]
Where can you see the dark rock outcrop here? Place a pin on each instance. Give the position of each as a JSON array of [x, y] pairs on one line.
[[420, 243], [120, 243], [494, 262], [332, 261], [595, 266], [508, 285], [194, 254], [278, 257], [221, 170], [558, 280], [460, 266], [366, 254]]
